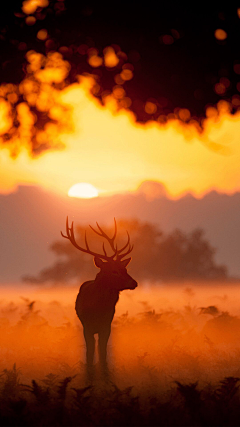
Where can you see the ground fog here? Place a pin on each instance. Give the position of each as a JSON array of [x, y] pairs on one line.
[[160, 334]]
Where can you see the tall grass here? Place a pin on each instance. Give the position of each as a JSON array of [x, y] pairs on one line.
[[174, 359]]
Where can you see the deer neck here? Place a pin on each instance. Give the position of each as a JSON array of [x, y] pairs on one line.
[[104, 286]]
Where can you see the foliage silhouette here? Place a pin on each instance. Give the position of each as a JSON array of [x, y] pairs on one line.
[[98, 405], [148, 388], [157, 256]]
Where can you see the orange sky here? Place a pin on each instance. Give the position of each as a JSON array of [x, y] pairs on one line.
[[114, 153]]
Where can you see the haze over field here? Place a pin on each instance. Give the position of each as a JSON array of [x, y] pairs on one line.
[[165, 341], [154, 329]]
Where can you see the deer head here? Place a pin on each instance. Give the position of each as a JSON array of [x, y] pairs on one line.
[[112, 267]]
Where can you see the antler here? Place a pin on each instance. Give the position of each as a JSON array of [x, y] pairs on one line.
[[111, 240], [118, 252], [70, 236], [130, 248]]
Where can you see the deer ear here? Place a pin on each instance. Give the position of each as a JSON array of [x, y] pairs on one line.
[[98, 262], [125, 262]]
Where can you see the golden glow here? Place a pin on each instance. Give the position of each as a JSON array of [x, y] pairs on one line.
[[38, 90], [104, 144], [219, 88], [126, 74], [220, 34], [95, 61], [150, 107], [30, 6], [83, 190], [110, 57], [42, 34], [118, 79], [166, 314], [118, 92], [184, 114], [30, 20], [236, 100], [5, 118]]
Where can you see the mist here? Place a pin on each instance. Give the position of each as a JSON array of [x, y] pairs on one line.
[[184, 332], [173, 357]]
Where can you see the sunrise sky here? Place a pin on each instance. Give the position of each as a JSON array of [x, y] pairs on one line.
[[104, 144], [115, 154]]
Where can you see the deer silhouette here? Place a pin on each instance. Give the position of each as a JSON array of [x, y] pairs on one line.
[[96, 300]]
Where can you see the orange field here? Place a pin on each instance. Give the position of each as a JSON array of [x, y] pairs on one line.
[[161, 334]]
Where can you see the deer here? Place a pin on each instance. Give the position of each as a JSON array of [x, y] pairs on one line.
[[96, 299]]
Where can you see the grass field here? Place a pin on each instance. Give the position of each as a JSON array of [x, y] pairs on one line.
[[174, 358]]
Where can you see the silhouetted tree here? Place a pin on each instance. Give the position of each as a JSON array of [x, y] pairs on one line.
[[156, 256]]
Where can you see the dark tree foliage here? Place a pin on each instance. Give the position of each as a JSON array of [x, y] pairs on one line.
[[156, 255], [171, 47]]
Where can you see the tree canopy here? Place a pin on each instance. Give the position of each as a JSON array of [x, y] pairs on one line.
[[157, 256]]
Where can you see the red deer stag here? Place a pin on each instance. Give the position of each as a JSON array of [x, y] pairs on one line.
[[96, 300]]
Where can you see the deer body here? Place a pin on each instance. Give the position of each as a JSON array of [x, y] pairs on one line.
[[95, 305], [96, 300]]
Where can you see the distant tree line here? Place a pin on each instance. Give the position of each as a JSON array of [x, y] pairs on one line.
[[157, 256]]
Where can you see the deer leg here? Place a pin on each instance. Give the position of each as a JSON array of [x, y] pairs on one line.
[[103, 337], [90, 344]]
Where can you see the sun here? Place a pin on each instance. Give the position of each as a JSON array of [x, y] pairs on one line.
[[83, 190]]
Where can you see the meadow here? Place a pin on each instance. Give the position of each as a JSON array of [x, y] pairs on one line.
[[174, 358]]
